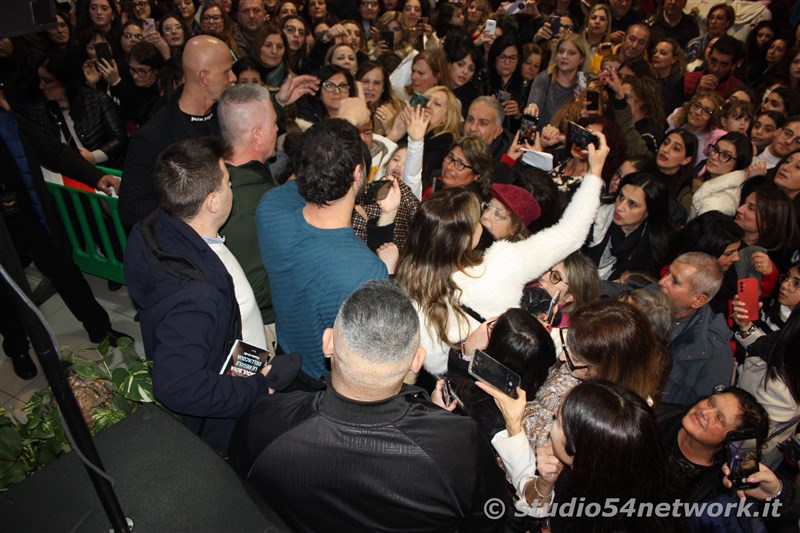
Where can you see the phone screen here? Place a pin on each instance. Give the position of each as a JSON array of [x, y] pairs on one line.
[[592, 101], [581, 136], [103, 51], [743, 457], [555, 25], [484, 368], [418, 99], [378, 190], [528, 129]]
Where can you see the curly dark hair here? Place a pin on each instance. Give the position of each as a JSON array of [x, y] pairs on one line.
[[328, 155]]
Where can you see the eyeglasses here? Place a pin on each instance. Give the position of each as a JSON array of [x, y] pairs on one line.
[[568, 28], [793, 282], [508, 59], [140, 5], [456, 162], [723, 155], [697, 106], [555, 277], [140, 71], [172, 28], [571, 366], [330, 87], [495, 212], [790, 135], [369, 3], [291, 30], [134, 36], [212, 18]]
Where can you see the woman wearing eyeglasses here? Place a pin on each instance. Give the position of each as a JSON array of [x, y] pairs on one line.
[[445, 275], [505, 78], [336, 84], [174, 34], [718, 187], [214, 19], [699, 116]]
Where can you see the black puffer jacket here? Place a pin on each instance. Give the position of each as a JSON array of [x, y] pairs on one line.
[[99, 125]]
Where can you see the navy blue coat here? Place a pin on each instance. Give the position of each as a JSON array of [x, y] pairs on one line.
[[190, 319]]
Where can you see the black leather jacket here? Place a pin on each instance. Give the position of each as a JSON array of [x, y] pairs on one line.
[[99, 126]]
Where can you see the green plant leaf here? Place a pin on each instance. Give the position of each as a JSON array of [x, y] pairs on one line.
[[104, 418], [103, 347], [134, 383], [121, 404], [89, 369], [10, 444], [15, 473]]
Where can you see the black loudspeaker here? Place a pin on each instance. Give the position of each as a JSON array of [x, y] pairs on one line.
[[166, 479]]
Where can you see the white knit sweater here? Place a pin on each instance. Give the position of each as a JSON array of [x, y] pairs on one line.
[[497, 283]]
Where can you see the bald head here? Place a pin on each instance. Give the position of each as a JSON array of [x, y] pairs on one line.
[[207, 63]]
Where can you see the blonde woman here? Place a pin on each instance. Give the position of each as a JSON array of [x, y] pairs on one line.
[[597, 28], [401, 44], [563, 80]]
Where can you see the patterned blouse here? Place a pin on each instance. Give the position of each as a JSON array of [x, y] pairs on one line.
[[538, 416]]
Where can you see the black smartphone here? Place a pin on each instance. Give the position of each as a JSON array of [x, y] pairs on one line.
[[422, 20], [388, 38], [744, 454], [486, 369], [378, 190], [555, 25], [503, 96], [418, 99], [447, 395], [551, 311], [103, 51], [581, 137], [592, 100], [528, 129]]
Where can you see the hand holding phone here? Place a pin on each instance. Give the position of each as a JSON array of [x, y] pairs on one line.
[[148, 25], [528, 129], [747, 290], [744, 453], [378, 190], [490, 27], [418, 100], [581, 137], [488, 370]]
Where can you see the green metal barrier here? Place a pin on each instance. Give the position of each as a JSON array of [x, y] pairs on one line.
[[103, 258]]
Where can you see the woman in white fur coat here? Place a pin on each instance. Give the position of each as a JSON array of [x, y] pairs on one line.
[[443, 273], [725, 171]]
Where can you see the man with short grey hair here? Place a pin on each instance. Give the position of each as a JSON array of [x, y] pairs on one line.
[[249, 124], [485, 121], [701, 355], [370, 453]]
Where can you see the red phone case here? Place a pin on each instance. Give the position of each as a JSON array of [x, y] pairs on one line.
[[747, 289]]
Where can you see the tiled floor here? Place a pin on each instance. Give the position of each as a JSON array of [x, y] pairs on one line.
[[14, 392]]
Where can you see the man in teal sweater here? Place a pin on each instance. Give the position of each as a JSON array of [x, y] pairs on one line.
[[313, 258]]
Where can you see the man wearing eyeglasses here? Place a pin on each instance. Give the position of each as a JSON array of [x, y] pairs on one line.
[[786, 141], [726, 56]]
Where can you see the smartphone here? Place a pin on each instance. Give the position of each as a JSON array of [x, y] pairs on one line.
[[581, 136], [744, 454], [490, 27], [378, 190], [486, 369], [103, 51], [527, 129], [592, 100], [388, 38], [515, 7], [422, 20], [555, 25], [551, 311], [418, 99], [447, 395], [503, 96], [148, 25], [747, 289]]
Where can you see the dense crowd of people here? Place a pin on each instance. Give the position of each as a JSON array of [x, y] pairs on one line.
[[580, 190]]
